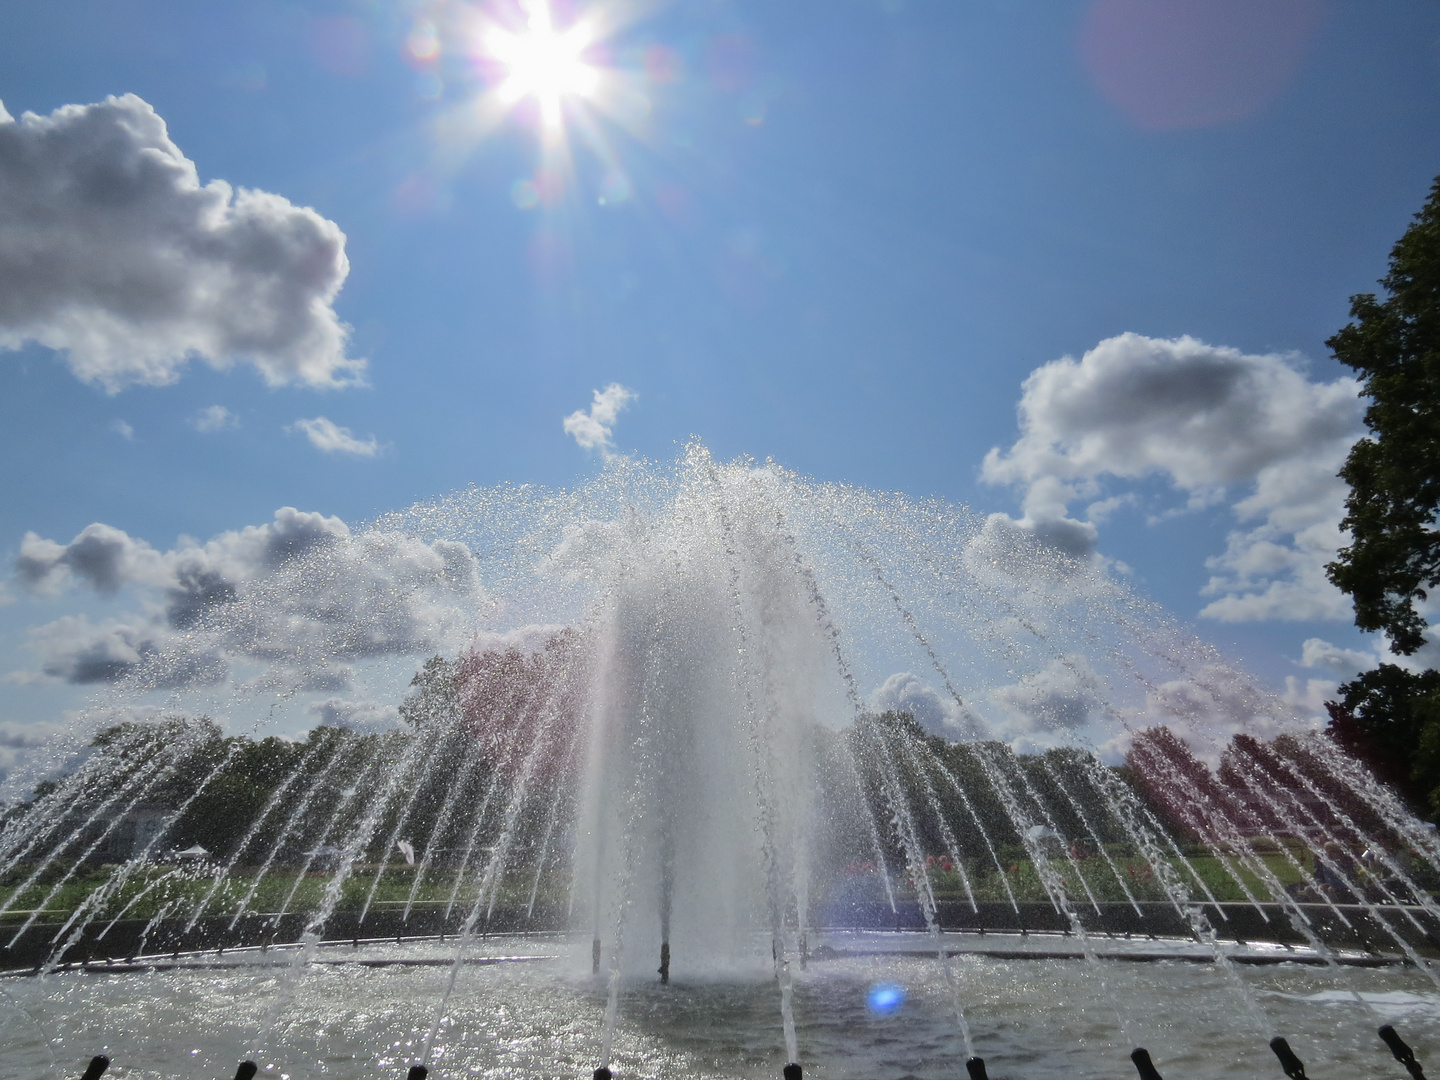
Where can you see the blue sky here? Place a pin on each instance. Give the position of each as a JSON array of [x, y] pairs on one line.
[[837, 234]]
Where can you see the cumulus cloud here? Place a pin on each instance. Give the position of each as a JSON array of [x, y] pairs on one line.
[[20, 741], [214, 418], [74, 650], [1319, 653], [1060, 697], [301, 594], [1215, 702], [593, 429], [1211, 420], [327, 436], [101, 556], [906, 692], [121, 428], [113, 253], [357, 715]]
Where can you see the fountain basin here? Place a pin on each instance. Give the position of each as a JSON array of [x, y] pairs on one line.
[[528, 1006]]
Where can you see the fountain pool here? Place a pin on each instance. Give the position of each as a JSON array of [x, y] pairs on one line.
[[535, 1014]]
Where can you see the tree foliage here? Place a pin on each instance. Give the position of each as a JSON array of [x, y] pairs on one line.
[[1390, 716], [1393, 560]]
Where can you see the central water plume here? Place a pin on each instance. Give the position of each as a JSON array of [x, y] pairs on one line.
[[711, 667]]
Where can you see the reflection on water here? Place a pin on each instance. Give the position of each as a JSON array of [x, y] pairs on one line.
[[541, 1018]]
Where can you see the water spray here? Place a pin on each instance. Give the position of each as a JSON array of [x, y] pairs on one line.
[[1143, 1065], [1402, 1052], [1293, 1066], [664, 967], [595, 957]]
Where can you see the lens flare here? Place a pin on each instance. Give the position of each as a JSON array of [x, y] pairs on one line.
[[884, 998]]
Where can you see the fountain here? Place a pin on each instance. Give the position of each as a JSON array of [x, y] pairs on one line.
[[763, 730]]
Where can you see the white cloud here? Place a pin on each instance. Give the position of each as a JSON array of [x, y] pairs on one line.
[[19, 741], [101, 556], [113, 252], [1209, 420], [593, 429], [907, 692], [74, 650], [121, 428], [327, 436], [357, 715], [1309, 698], [301, 594], [214, 418], [1319, 653], [1214, 702], [1060, 697]]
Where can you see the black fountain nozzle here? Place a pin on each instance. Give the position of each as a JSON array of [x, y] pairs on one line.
[[602, 1073], [98, 1064], [1402, 1052], [1293, 1066], [246, 1071], [792, 1071], [1141, 1057], [664, 968], [417, 1072], [975, 1066]]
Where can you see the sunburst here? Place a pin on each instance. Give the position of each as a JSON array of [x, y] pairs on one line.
[[544, 63]]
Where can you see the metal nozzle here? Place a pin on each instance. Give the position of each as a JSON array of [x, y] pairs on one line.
[[1294, 1068], [975, 1066], [98, 1064], [1141, 1057], [792, 1072], [246, 1071], [1402, 1052]]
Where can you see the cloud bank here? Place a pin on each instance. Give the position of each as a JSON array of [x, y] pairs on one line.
[[113, 253], [1210, 420], [593, 429], [301, 595]]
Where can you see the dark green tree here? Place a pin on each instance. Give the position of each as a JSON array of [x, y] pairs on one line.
[[1393, 560]]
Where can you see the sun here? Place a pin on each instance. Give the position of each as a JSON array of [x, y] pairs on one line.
[[544, 63]]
